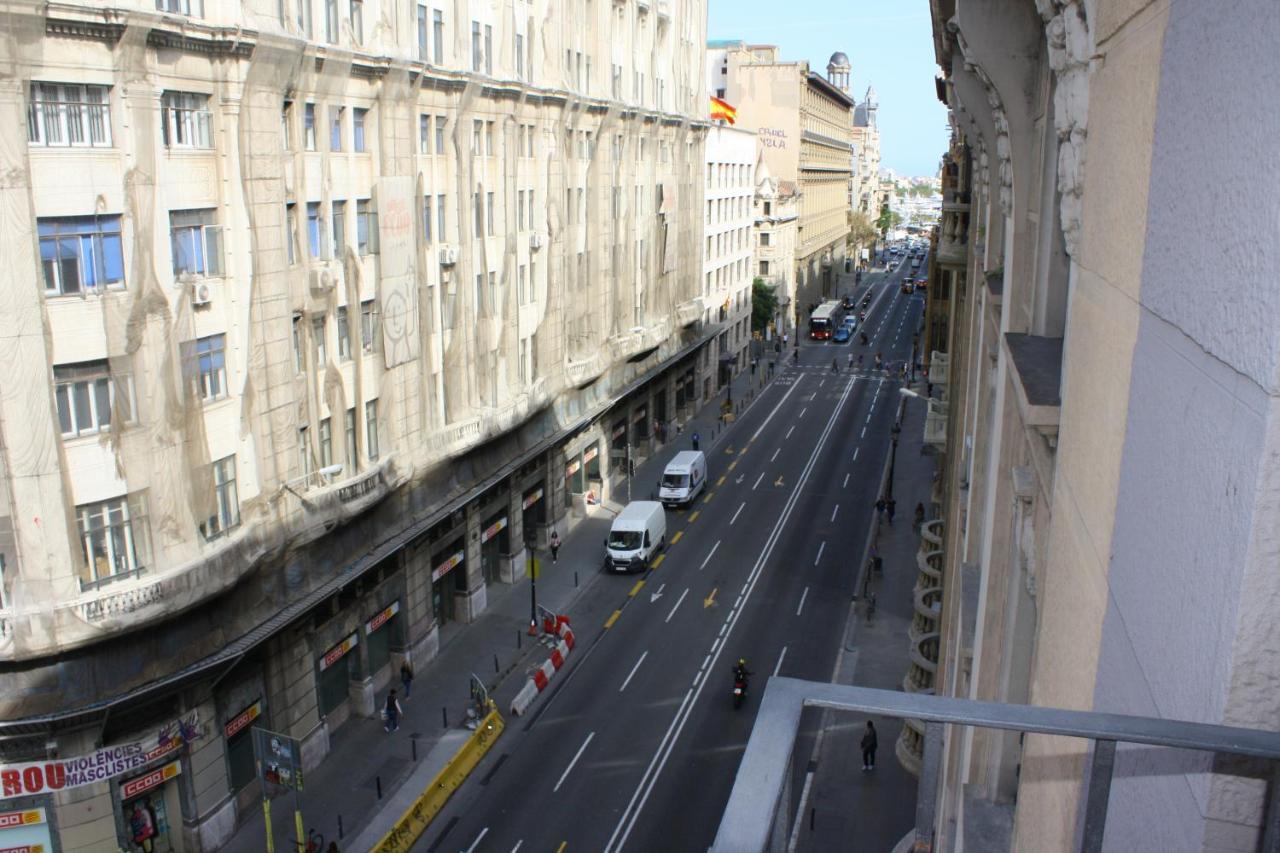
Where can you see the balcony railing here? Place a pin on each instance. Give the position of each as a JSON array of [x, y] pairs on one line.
[[758, 818]]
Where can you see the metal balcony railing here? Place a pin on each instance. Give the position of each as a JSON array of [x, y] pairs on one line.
[[756, 817]]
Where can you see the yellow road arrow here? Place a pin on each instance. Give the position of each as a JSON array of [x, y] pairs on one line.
[[729, 451], [710, 599], [778, 482]]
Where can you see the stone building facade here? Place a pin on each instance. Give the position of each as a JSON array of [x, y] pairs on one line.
[[329, 321], [728, 247], [1106, 408], [777, 211]]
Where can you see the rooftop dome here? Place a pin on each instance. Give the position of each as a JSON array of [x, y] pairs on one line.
[[839, 60]]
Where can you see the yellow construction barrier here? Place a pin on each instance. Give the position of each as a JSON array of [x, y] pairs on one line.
[[418, 817]]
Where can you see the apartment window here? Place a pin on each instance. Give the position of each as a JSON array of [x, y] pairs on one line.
[[87, 395], [226, 514], [533, 223], [423, 55], [181, 7], [489, 211], [371, 429], [440, 217], [488, 139], [488, 49], [357, 21], [764, 268], [291, 232], [108, 539], [186, 120], [318, 341], [205, 363], [366, 227], [304, 452], [299, 361], [326, 443], [358, 117], [80, 253], [426, 218], [368, 326], [344, 334], [437, 35], [493, 292], [522, 284], [768, 208], [314, 227], [476, 59], [339, 229], [309, 127], [424, 134], [519, 56], [304, 17], [196, 243], [69, 114], [480, 294], [477, 137], [349, 423], [335, 128], [331, 21], [286, 119], [617, 82], [440, 120], [529, 141], [764, 238]]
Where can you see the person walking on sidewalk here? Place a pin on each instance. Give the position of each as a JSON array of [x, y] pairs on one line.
[[891, 506], [406, 677], [393, 712], [554, 544], [880, 509], [869, 744], [919, 515], [696, 439]]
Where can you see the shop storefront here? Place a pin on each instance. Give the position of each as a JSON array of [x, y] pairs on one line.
[[582, 474], [448, 568], [383, 632], [333, 682], [534, 512], [640, 420], [152, 810], [240, 745], [25, 831], [495, 544]]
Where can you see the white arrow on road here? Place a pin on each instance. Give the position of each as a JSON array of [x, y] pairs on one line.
[[739, 480], [655, 596]]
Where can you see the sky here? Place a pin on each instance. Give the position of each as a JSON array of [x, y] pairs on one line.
[[890, 46]]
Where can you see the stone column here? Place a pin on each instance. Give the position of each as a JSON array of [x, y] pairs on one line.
[[470, 601], [513, 569]]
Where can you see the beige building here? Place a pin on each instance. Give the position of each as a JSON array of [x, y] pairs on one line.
[[1107, 421], [336, 310], [728, 247], [777, 212], [805, 130]]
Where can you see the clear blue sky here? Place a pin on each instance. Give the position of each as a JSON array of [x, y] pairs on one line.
[[890, 45]]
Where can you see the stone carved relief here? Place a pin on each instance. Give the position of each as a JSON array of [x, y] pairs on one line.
[[1070, 47], [998, 118]]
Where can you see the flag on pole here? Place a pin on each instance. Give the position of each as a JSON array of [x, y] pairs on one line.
[[722, 110]]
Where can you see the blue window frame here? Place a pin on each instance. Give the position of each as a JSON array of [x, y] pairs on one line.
[[80, 253]]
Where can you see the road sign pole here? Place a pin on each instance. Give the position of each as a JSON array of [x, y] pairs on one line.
[[266, 817], [297, 822]]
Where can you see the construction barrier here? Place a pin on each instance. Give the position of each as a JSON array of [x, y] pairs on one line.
[[541, 676], [418, 816]]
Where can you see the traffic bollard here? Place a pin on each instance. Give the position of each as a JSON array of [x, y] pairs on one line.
[[413, 744], [339, 827], [495, 664], [444, 715], [377, 780]]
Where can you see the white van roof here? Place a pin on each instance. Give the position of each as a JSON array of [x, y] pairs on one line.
[[683, 460], [637, 512]]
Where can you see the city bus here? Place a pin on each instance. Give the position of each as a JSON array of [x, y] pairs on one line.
[[823, 321]]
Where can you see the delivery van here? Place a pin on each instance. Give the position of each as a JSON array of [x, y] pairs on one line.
[[684, 478], [638, 533]]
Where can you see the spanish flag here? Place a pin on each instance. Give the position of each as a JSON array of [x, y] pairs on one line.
[[721, 110]]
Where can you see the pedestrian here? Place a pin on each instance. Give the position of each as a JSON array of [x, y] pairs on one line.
[[880, 508], [333, 848], [393, 712], [696, 439], [891, 507], [919, 514], [869, 744], [554, 544], [406, 677]]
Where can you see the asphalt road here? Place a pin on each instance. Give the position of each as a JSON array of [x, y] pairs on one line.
[[636, 743]]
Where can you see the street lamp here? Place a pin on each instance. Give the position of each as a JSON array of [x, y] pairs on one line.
[[531, 542], [894, 432]]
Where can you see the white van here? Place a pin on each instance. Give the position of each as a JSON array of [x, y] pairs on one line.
[[637, 534], [684, 478]]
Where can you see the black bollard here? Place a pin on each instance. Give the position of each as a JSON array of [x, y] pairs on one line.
[[444, 714], [377, 780], [413, 743], [495, 664], [339, 827], [575, 580]]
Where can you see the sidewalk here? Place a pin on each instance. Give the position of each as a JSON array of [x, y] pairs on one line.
[[341, 798], [872, 810]]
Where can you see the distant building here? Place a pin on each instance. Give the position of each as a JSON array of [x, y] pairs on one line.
[[777, 212], [727, 265]]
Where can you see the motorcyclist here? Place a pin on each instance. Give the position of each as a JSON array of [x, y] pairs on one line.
[[879, 361], [740, 671], [835, 367]]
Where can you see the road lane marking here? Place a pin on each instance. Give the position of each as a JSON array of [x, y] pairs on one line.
[[627, 821], [723, 628], [677, 604], [570, 767], [760, 428], [635, 589], [633, 672], [654, 596], [739, 512], [821, 547], [781, 657], [803, 596], [705, 500], [658, 562], [564, 844], [676, 538], [802, 411], [758, 479], [733, 464], [778, 482], [693, 516], [846, 482], [608, 623], [519, 844], [720, 482], [864, 433], [709, 556], [705, 661], [855, 453], [788, 435], [834, 511], [476, 843], [775, 454], [710, 599]]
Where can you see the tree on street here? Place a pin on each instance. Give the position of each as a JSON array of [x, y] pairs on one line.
[[764, 304]]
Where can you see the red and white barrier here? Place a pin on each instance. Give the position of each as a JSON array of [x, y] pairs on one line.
[[542, 676]]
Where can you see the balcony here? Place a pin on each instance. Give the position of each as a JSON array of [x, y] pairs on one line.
[[935, 424], [939, 368], [1037, 366]]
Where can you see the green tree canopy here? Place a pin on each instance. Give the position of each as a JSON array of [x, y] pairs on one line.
[[764, 304]]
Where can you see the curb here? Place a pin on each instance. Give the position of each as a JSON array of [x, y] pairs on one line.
[[542, 676]]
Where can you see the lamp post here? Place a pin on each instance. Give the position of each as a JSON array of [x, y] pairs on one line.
[[531, 541], [894, 432]]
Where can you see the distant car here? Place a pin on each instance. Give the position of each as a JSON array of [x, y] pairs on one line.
[[908, 286], [842, 335], [848, 302], [850, 323]]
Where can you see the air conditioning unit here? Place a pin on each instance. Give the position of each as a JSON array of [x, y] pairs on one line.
[[321, 278], [448, 256], [535, 241], [201, 295]]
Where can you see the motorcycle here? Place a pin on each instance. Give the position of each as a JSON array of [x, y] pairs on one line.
[[864, 339], [739, 689]]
